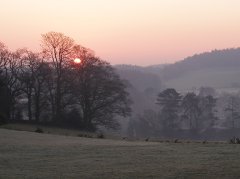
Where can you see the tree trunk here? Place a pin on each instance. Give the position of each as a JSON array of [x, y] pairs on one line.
[[37, 105], [30, 106]]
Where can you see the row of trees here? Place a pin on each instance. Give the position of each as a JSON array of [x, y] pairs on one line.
[[49, 87], [188, 112], [194, 110]]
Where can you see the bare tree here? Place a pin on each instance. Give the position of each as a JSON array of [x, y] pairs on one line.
[[26, 77], [10, 66], [42, 74], [58, 49], [101, 94], [32, 75], [191, 109], [232, 110], [5, 98]]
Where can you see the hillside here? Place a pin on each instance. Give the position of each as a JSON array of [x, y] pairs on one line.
[[140, 78], [218, 68]]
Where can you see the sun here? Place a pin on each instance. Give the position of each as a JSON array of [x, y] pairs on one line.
[[77, 60]]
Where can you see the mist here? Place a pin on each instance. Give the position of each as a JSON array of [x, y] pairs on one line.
[[209, 74]]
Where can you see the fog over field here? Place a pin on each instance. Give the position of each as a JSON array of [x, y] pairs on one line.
[[213, 73], [119, 89]]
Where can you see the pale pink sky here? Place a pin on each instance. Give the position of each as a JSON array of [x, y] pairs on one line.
[[140, 32]]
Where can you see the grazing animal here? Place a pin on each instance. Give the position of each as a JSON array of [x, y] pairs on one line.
[[147, 139], [237, 140], [176, 141]]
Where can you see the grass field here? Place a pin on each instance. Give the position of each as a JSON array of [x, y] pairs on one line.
[[33, 155]]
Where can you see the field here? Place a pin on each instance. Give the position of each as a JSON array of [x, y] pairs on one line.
[[33, 155]]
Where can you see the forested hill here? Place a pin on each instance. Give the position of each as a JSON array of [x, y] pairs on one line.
[[217, 59], [218, 69], [141, 78]]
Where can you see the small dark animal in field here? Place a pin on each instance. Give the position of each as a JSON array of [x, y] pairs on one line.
[[80, 135], [147, 139], [124, 138], [85, 135], [234, 140], [176, 141], [204, 142], [39, 130], [100, 136]]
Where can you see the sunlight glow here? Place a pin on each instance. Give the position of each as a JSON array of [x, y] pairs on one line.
[[77, 60], [141, 32]]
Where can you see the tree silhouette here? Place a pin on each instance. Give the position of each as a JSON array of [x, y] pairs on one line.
[[57, 48], [101, 94], [191, 110], [169, 101], [232, 110]]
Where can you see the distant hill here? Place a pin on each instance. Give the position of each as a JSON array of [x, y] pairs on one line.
[[141, 78], [218, 68], [217, 59]]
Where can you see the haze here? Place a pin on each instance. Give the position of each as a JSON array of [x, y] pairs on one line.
[[140, 32]]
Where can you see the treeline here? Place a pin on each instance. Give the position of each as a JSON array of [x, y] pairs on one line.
[[216, 59], [48, 87], [188, 115]]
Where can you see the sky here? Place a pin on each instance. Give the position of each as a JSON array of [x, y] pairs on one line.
[[138, 32]]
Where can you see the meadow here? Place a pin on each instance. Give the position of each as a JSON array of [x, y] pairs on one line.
[[38, 155]]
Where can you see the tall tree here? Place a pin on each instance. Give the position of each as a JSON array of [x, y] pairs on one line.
[[58, 49], [101, 94], [169, 101], [42, 73], [10, 66], [5, 102], [232, 110], [26, 77], [191, 109], [207, 105], [32, 75]]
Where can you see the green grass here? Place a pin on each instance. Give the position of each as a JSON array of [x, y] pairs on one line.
[[32, 155]]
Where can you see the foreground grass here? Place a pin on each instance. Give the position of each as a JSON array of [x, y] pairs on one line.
[[33, 155], [47, 129]]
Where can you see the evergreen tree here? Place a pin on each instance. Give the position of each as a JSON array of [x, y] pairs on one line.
[[169, 101]]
